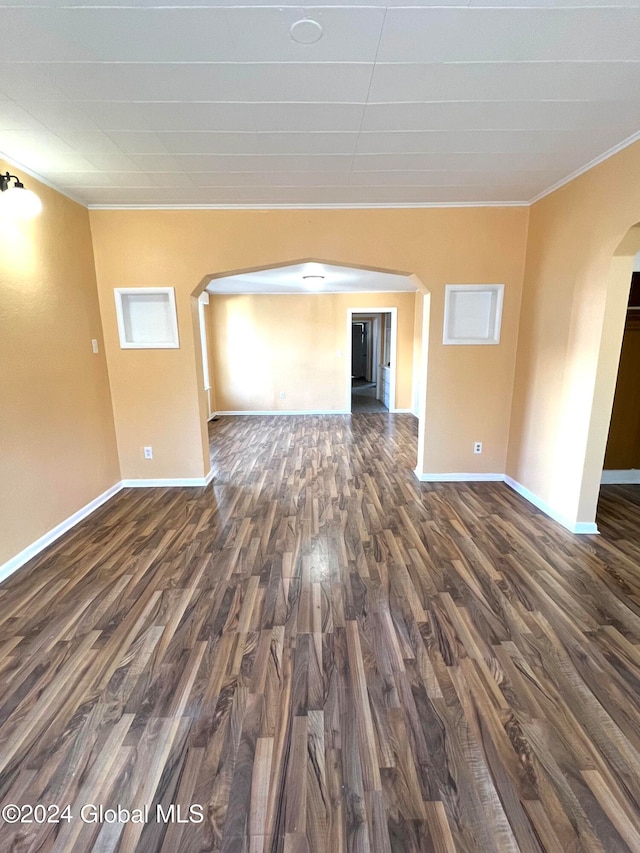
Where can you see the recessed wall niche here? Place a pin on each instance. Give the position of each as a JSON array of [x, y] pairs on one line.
[[472, 313], [147, 317]]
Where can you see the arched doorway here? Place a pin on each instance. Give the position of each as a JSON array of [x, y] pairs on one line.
[[258, 387], [618, 284]]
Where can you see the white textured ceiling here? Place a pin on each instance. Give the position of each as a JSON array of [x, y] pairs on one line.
[[289, 279], [441, 102]]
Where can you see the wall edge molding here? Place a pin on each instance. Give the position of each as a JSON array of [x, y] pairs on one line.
[[16, 562]]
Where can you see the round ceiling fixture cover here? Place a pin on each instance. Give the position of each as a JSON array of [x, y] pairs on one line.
[[306, 31]]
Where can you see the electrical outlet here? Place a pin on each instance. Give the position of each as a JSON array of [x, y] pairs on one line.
[[477, 447], [148, 452], [283, 394], [94, 345]]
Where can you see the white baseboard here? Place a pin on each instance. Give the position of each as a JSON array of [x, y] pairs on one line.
[[212, 416], [458, 477], [621, 477], [12, 565], [573, 526], [168, 482], [40, 544], [270, 412]]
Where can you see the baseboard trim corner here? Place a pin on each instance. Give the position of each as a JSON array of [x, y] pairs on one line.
[[55, 533], [579, 527]]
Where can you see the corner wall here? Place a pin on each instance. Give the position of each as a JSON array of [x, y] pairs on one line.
[[572, 317], [56, 428]]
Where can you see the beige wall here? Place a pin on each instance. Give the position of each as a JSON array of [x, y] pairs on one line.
[[56, 425], [57, 431], [262, 345], [156, 394], [573, 309]]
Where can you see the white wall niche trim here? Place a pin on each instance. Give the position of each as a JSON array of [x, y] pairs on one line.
[[147, 317], [472, 314]]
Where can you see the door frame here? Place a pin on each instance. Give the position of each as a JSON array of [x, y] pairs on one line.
[[392, 351]]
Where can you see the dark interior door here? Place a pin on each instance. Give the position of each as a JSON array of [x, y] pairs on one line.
[[359, 345]]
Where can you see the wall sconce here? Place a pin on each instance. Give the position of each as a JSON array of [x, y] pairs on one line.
[[18, 203]]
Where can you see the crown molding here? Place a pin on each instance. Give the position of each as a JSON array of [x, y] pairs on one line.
[[359, 206], [587, 167], [385, 206]]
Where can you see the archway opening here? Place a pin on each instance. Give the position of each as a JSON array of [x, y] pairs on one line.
[[279, 338], [618, 287]]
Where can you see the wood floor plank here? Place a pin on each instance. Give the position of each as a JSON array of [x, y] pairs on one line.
[[321, 654]]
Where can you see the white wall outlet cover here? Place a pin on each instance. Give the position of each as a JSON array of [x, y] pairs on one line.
[[94, 345], [148, 452]]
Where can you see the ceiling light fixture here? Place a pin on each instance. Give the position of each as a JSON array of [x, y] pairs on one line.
[[306, 31], [313, 281], [19, 203]]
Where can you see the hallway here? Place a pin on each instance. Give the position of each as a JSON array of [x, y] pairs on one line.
[[363, 398]]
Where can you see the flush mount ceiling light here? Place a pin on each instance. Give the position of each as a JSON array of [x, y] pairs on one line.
[[313, 281], [306, 31], [19, 203]]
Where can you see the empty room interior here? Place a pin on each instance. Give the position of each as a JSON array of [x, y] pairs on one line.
[[320, 427]]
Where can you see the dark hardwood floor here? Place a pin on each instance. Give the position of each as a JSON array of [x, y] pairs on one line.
[[326, 655]]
